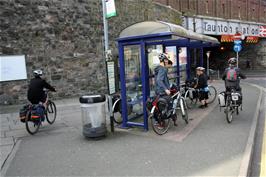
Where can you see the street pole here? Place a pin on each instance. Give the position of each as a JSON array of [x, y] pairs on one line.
[[237, 59], [208, 57], [105, 28], [208, 72]]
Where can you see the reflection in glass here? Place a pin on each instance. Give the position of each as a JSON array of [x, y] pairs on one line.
[[133, 78]]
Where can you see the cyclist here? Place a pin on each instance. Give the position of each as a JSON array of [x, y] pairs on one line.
[[162, 84], [202, 85], [36, 94], [232, 76]]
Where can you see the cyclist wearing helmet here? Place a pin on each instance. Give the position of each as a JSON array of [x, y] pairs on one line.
[[202, 85], [36, 93], [162, 84], [232, 76]]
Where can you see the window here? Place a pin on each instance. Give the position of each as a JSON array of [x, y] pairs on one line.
[[253, 12], [239, 13], [207, 7], [223, 9]]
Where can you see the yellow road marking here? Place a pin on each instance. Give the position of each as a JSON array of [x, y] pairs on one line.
[[263, 153]]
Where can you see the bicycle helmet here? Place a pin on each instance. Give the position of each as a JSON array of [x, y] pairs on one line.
[[232, 61], [37, 72], [200, 68], [162, 57]]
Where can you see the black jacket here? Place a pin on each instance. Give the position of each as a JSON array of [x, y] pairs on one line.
[[202, 81], [36, 92]]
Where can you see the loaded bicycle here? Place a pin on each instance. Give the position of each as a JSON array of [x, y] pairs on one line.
[[159, 114], [36, 114], [233, 102], [191, 94]]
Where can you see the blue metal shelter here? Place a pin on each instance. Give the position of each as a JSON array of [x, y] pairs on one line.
[[138, 45]]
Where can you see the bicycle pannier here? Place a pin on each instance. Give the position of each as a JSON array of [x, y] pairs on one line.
[[221, 99], [23, 113], [37, 112]]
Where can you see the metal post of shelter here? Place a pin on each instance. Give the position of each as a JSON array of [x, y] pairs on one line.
[[188, 63], [144, 79], [177, 67], [201, 56]]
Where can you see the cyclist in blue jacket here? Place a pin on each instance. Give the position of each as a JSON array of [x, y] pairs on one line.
[[162, 84]]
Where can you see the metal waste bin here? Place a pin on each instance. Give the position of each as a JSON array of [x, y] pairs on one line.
[[93, 111]]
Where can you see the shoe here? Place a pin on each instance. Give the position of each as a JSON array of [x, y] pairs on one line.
[[202, 106], [174, 120]]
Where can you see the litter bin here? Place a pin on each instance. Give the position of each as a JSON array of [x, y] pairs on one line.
[[93, 111]]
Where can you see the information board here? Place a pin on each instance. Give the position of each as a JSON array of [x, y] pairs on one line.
[[111, 76], [13, 67]]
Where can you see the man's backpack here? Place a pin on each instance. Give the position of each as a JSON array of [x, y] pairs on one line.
[[231, 74]]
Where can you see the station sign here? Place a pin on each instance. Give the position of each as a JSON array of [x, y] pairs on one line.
[[217, 26]]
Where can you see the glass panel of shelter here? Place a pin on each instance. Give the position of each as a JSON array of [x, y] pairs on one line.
[[132, 59], [153, 62]]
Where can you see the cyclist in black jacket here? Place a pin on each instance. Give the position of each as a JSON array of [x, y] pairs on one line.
[[36, 94], [202, 85]]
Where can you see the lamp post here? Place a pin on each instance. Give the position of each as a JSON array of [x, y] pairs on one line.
[[208, 57]]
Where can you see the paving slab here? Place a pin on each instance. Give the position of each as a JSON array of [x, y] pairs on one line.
[[6, 141], [4, 153]]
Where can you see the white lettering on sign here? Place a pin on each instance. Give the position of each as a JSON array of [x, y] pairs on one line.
[[220, 27]]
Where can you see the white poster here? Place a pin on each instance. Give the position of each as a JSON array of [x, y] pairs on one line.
[[12, 68], [111, 76], [183, 56]]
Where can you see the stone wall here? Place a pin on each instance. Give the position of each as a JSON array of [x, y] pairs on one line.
[[64, 38]]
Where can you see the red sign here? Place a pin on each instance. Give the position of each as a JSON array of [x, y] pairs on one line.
[[237, 36], [262, 31], [252, 39], [227, 38]]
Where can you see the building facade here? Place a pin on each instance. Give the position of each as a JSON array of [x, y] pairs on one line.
[[245, 10]]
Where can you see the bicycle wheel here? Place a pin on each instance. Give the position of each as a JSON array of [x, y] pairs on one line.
[[212, 94], [32, 126], [159, 126], [229, 112], [50, 112], [183, 109], [190, 102]]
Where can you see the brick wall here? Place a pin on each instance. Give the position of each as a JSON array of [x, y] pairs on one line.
[[248, 10]]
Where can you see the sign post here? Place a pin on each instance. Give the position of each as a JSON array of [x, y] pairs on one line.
[[237, 48], [237, 45], [108, 11], [208, 57]]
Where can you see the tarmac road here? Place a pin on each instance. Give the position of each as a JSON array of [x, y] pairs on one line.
[[213, 148]]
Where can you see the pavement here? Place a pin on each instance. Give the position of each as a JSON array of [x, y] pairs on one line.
[[205, 147]]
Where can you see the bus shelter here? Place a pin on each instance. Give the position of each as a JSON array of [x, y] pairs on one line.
[[139, 46]]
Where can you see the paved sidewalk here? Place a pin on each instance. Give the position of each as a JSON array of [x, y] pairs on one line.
[[12, 129], [131, 148]]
